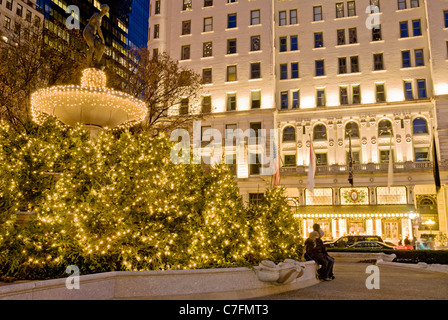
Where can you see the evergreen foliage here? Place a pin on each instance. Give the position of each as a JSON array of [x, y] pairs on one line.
[[118, 203]]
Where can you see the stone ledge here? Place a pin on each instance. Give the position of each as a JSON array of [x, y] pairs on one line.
[[210, 284]]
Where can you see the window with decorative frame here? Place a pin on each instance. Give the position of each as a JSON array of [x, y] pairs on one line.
[[392, 195]]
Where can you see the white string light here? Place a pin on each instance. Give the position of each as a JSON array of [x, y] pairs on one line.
[[91, 103]]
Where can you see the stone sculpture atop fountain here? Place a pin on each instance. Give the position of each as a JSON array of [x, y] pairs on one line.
[[94, 37]]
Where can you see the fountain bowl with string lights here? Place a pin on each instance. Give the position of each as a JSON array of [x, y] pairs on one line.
[[91, 104]]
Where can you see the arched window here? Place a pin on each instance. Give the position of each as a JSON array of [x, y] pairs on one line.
[[352, 129], [320, 132], [289, 134], [420, 125], [385, 128]]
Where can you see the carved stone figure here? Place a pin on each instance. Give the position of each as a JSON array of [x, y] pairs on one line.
[[94, 37]]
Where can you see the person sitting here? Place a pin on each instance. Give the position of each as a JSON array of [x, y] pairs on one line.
[[315, 250]]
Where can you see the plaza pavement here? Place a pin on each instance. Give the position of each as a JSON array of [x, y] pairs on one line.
[[396, 283]]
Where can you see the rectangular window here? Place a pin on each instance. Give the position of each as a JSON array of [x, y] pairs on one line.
[[255, 163], [255, 98], [342, 64], [157, 7], [321, 159], [156, 31], [320, 98], [417, 27], [405, 59], [255, 70], [290, 160], [356, 158], [9, 4], [340, 36], [231, 73], [183, 108], [375, 6], [352, 35], [284, 99], [207, 49], [320, 68], [186, 27], [378, 61], [376, 33], [354, 64], [208, 24], [231, 162], [207, 75], [206, 104], [445, 18], [295, 99], [317, 13], [318, 40], [408, 94], [282, 18], [356, 94], [186, 5], [208, 3], [294, 43], [254, 17], [231, 21], [283, 71], [185, 54], [401, 4], [294, 70], [421, 86], [254, 43], [380, 92], [385, 156], [293, 16], [231, 46], [419, 60], [19, 10], [255, 129], [415, 3], [283, 44], [256, 198], [404, 30], [351, 8], [343, 95], [421, 154], [340, 10], [231, 101]]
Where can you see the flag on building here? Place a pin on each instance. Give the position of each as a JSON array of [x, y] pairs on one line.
[[390, 171], [276, 158], [350, 160], [311, 169], [435, 166]]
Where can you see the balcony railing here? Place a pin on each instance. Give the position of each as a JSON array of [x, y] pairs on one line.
[[362, 168]]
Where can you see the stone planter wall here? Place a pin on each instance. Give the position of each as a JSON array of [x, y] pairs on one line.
[[216, 284]]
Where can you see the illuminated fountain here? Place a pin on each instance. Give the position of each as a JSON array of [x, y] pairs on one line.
[[92, 103]]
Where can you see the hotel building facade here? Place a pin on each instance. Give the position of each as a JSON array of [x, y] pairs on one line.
[[362, 77]]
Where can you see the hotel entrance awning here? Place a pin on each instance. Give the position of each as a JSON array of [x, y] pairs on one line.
[[366, 211]]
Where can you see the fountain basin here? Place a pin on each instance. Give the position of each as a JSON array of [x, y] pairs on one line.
[[91, 104]]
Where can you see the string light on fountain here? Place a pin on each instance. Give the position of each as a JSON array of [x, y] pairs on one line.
[[92, 77], [91, 104]]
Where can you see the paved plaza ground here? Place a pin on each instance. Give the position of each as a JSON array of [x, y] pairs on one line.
[[396, 283]]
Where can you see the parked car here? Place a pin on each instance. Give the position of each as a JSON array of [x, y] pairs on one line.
[[370, 245], [347, 241]]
